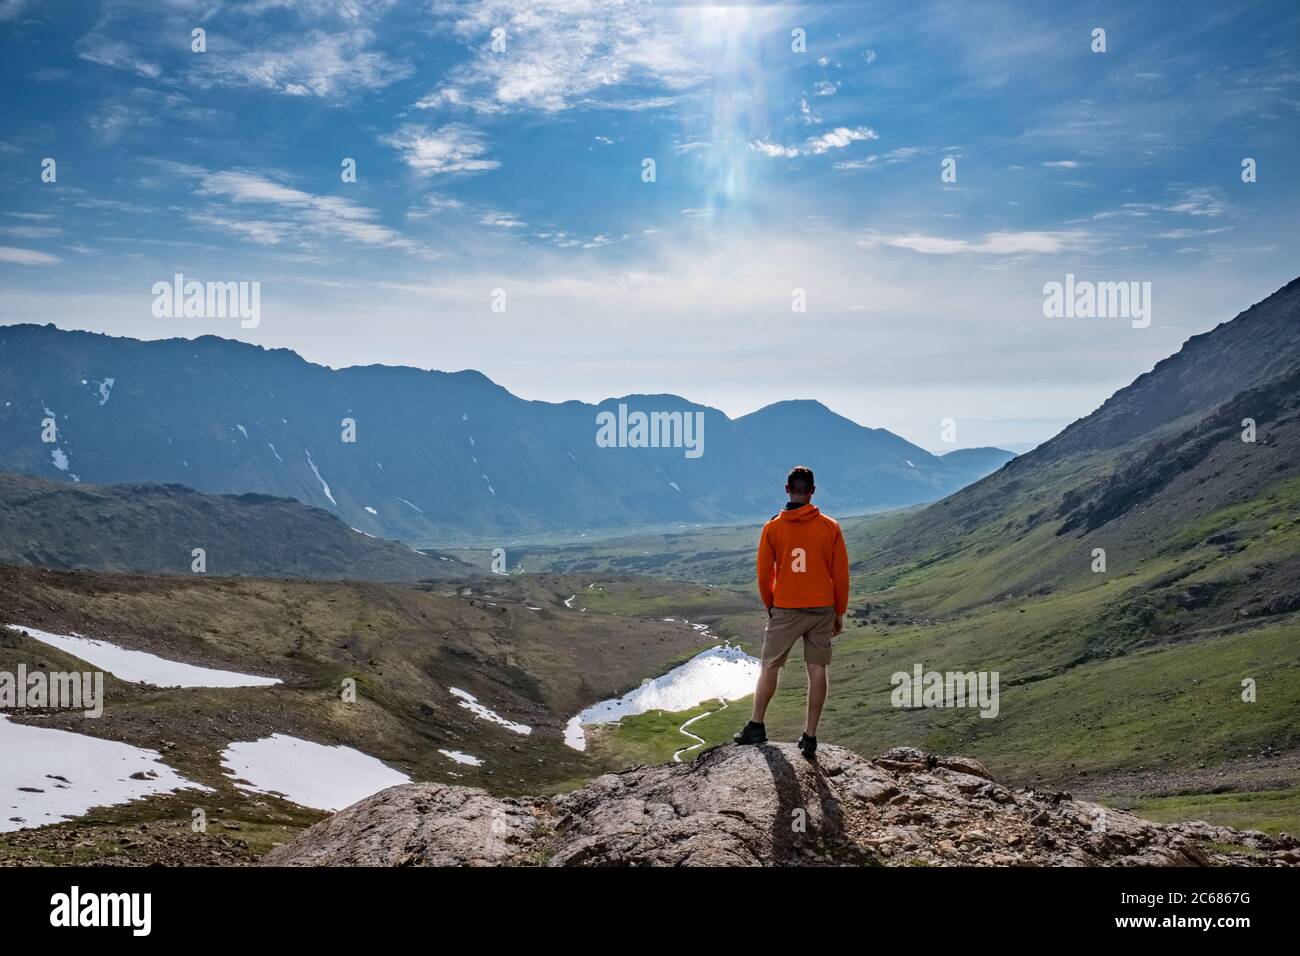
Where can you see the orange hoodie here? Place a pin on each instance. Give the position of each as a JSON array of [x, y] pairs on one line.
[[802, 561]]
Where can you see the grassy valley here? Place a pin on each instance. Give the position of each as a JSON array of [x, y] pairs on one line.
[[512, 643]]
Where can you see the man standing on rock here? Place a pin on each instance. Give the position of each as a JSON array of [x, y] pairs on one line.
[[803, 579]]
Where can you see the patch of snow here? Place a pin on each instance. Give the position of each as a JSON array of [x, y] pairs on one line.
[[307, 773], [723, 673], [106, 390], [459, 757], [359, 531], [568, 602], [470, 703], [371, 510], [408, 504], [489, 484], [275, 453], [316, 471], [60, 459], [675, 488], [67, 773], [243, 429], [141, 667], [909, 464]]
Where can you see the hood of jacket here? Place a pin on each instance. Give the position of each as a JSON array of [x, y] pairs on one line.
[[802, 513]]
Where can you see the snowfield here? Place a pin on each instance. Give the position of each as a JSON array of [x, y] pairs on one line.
[[141, 667], [306, 773], [48, 775]]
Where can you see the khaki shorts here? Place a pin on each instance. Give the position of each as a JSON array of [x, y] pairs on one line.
[[786, 625]]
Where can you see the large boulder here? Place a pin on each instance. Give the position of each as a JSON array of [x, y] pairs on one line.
[[767, 806]]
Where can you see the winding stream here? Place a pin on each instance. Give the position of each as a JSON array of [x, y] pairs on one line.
[[720, 673], [699, 741]]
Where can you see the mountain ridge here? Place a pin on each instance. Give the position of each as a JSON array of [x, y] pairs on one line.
[[436, 456], [153, 529]]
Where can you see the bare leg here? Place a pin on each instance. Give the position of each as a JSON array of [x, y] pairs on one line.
[[763, 691], [816, 697]]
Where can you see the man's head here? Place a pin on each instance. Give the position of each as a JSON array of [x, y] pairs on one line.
[[799, 484]]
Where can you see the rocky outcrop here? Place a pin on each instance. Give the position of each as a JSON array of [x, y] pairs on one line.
[[767, 806]]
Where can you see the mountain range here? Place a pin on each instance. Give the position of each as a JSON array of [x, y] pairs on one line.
[[433, 456]]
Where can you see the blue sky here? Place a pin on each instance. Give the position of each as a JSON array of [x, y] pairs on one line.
[[521, 170]]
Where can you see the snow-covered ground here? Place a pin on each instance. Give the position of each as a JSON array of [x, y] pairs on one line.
[[470, 703], [464, 758], [725, 673], [141, 667], [48, 775], [323, 484], [306, 773]]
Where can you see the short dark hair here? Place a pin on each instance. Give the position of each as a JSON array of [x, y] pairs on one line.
[[800, 480]]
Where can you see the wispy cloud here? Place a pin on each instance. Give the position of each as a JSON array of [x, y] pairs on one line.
[[11, 9], [1001, 243], [563, 53], [119, 56], [1184, 200], [321, 64], [27, 257], [1191, 233], [284, 215], [433, 205], [31, 232], [454, 148], [902, 154], [501, 220], [837, 138]]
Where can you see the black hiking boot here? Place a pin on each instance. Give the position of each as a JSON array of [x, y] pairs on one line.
[[808, 746], [752, 734]]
